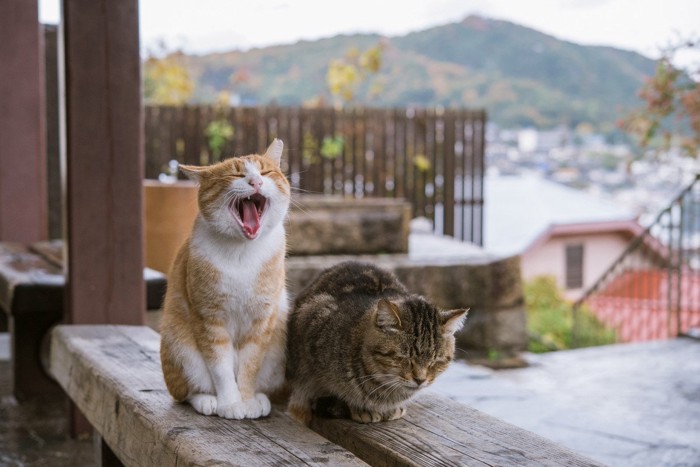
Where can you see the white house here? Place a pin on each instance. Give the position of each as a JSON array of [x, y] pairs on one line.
[[557, 230]]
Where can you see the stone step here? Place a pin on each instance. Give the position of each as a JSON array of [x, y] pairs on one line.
[[452, 275], [334, 225]]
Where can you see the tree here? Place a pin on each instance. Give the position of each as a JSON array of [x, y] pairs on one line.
[[671, 111], [345, 75], [166, 78]]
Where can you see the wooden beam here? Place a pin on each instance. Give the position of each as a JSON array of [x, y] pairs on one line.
[[438, 431], [23, 205], [113, 374], [104, 162]]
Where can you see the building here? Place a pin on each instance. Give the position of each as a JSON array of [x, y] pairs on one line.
[[558, 231]]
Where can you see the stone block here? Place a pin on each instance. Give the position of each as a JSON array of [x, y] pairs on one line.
[[491, 284], [333, 225], [500, 330], [490, 287]]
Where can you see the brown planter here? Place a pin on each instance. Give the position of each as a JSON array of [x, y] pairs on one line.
[[170, 210]]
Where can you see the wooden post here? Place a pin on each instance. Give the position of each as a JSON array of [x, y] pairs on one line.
[[23, 207], [104, 161]]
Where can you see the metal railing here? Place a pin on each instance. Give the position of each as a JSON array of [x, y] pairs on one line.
[[652, 291]]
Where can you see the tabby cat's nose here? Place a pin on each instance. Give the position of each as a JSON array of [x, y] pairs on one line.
[[419, 381]]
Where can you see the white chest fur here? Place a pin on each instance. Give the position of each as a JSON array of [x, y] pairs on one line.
[[239, 264]]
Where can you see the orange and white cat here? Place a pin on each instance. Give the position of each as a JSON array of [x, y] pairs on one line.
[[223, 331]]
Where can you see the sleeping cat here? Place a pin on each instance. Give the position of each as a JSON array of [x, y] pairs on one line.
[[356, 335], [224, 318]]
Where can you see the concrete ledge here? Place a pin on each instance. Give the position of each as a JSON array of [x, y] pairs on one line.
[[453, 275], [332, 225]]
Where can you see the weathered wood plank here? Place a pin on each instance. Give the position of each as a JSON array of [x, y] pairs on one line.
[[437, 431], [28, 283], [113, 374], [31, 294], [51, 274]]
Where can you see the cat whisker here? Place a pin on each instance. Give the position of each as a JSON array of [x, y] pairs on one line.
[[385, 396], [302, 190], [229, 196], [373, 375], [291, 174], [367, 378], [299, 206], [386, 383]]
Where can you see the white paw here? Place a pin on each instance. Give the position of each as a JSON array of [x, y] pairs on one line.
[[259, 406], [203, 403], [366, 416], [396, 414], [235, 410]]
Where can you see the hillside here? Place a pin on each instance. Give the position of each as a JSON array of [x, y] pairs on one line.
[[521, 76]]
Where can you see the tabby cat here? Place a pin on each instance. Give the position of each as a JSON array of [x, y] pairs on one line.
[[357, 336], [224, 320]]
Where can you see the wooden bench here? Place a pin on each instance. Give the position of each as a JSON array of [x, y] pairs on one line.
[[32, 298], [113, 375]]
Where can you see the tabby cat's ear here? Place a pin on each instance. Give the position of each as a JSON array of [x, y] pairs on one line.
[[192, 172], [387, 316], [453, 320], [274, 150]]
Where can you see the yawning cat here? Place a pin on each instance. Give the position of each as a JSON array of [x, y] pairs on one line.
[[225, 312]]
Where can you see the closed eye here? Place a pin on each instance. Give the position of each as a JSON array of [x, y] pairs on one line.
[[440, 363]]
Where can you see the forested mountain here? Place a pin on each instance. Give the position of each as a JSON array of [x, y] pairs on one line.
[[521, 76]]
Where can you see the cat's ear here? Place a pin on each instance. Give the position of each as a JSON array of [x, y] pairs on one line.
[[453, 320], [274, 151], [192, 172], [388, 316]]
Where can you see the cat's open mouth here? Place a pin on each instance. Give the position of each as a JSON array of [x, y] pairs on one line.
[[248, 212]]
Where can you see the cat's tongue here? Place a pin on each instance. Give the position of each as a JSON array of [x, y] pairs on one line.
[[250, 218]]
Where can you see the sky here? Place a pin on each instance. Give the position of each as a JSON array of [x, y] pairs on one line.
[[203, 26]]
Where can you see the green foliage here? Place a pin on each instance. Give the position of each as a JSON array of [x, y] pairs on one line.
[[309, 148], [219, 132], [332, 147], [671, 109], [550, 320]]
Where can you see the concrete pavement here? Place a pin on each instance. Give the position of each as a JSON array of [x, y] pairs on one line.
[[623, 405]]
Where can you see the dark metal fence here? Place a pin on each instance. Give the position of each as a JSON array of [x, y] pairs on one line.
[[434, 158], [652, 291]]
